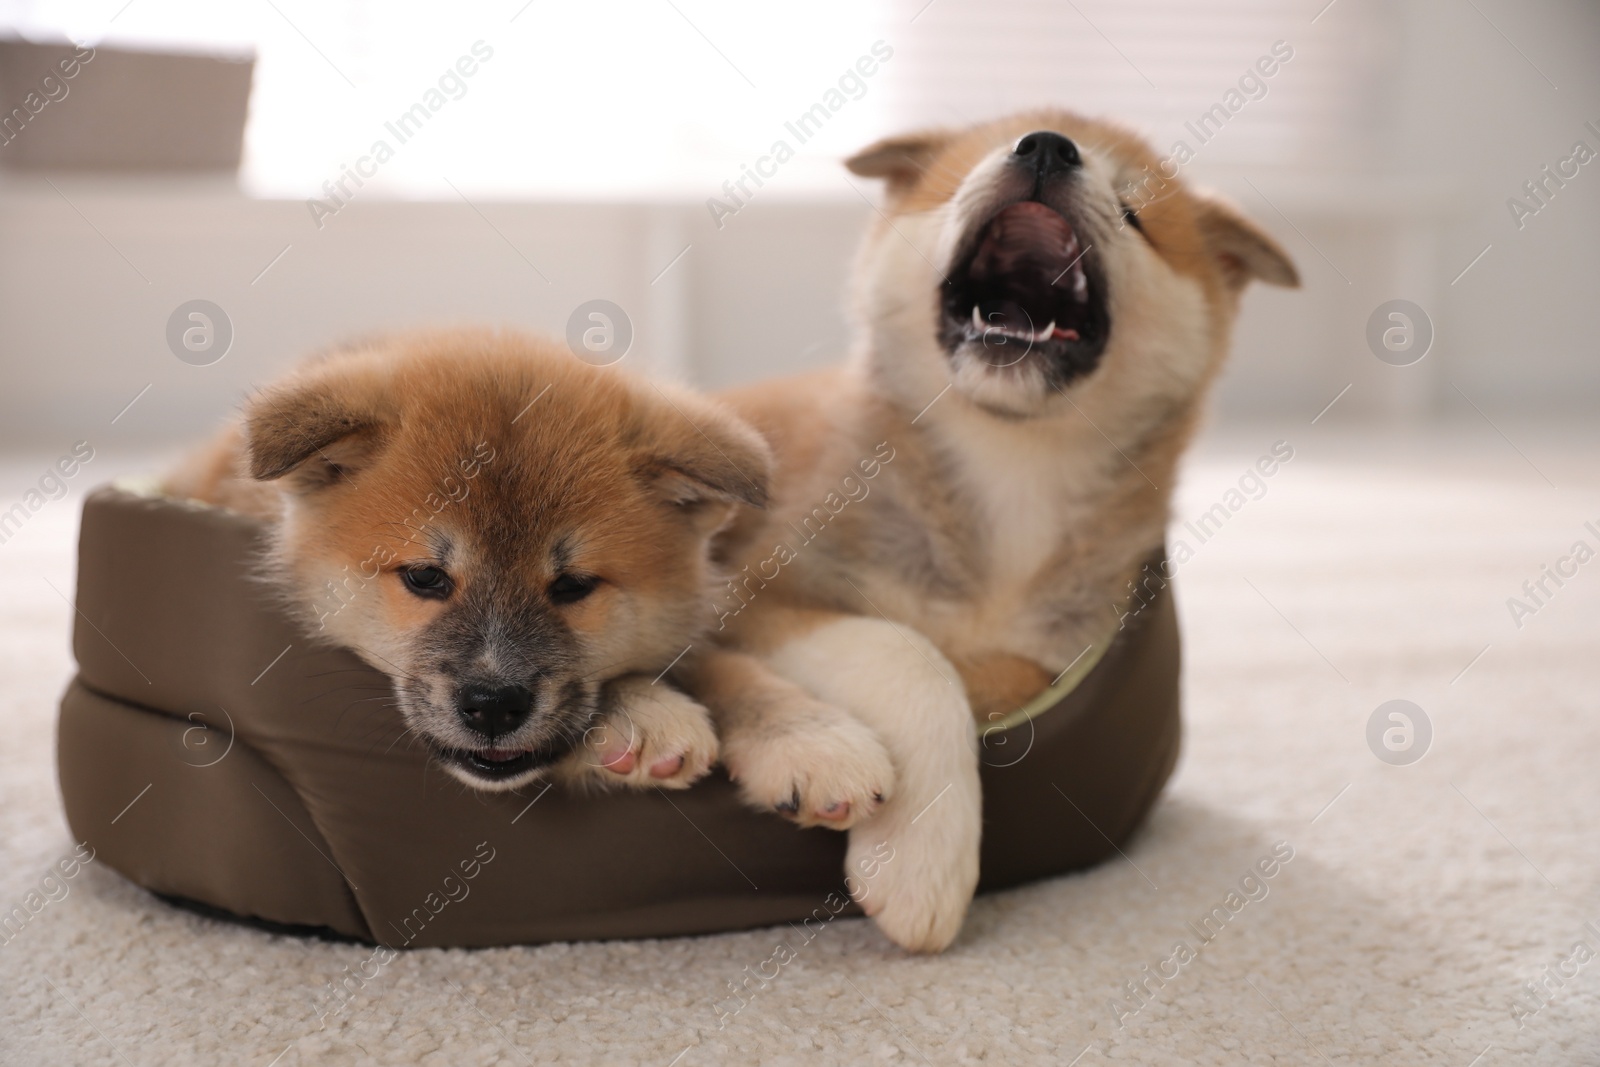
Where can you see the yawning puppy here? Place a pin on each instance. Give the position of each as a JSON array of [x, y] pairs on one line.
[[518, 539], [955, 512]]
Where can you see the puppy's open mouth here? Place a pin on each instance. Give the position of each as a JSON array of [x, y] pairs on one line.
[[502, 764], [1027, 289]]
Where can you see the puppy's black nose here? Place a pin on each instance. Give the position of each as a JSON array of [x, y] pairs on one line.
[[1047, 152], [494, 710]]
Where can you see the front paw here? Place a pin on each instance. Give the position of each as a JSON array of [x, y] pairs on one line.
[[915, 867], [820, 767], [650, 736]]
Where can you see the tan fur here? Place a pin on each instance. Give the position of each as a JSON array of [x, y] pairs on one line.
[[1012, 516], [998, 683], [506, 462]]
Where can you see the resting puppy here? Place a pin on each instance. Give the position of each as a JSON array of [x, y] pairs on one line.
[[1039, 314], [518, 539]]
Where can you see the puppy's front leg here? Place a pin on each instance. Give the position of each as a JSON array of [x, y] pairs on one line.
[[648, 734], [914, 865], [812, 762]]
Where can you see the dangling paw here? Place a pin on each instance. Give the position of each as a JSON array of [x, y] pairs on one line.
[[816, 766]]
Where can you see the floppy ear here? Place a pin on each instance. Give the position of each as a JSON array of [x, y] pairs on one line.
[[901, 160], [321, 427], [699, 451], [1241, 248]]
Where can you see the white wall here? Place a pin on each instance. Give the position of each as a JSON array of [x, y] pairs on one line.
[[1518, 330], [86, 286]]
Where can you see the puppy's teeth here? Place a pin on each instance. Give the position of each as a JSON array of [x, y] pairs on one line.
[[977, 319], [1080, 285], [1046, 333]]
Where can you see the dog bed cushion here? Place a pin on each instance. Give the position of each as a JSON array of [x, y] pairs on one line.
[[213, 754]]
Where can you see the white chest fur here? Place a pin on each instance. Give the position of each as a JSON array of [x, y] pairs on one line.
[[1026, 482]]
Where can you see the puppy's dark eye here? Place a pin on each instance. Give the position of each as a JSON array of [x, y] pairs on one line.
[[1131, 217], [571, 588], [429, 582]]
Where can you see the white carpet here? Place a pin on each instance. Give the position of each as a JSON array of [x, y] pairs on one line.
[[1419, 899]]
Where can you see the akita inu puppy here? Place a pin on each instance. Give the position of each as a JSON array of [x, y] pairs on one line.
[[517, 538], [1039, 312]]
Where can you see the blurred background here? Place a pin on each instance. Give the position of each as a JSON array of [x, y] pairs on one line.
[[314, 170]]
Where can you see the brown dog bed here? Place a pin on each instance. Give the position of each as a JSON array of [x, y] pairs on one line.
[[212, 754]]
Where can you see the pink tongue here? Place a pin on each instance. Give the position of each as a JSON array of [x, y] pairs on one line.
[[1024, 235], [499, 755]]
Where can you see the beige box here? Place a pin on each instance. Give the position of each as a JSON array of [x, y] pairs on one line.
[[65, 107]]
